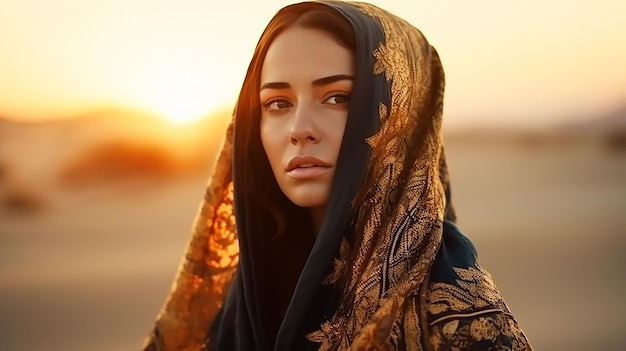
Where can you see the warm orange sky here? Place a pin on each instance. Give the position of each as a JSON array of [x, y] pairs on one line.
[[507, 62]]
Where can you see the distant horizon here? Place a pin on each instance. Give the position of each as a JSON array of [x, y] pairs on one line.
[[610, 116], [455, 119]]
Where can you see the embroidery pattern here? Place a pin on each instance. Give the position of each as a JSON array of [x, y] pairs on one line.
[[399, 216], [470, 314], [475, 291], [207, 269]]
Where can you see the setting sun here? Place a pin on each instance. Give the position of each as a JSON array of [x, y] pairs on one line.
[[180, 108]]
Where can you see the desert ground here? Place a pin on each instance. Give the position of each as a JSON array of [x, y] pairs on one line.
[[85, 264]]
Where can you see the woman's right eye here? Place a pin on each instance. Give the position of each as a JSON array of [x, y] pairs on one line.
[[276, 104]]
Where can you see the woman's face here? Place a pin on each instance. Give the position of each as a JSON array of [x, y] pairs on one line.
[[306, 84]]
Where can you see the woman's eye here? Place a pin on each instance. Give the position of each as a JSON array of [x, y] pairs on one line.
[[338, 99], [276, 104]]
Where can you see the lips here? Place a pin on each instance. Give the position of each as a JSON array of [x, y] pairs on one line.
[[306, 167]]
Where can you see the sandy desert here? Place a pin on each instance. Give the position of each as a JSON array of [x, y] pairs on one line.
[[95, 216]]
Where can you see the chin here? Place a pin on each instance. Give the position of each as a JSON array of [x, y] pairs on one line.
[[311, 197]]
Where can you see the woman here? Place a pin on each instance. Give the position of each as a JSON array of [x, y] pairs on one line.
[[328, 223]]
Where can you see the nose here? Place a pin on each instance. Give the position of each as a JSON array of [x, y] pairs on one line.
[[303, 128]]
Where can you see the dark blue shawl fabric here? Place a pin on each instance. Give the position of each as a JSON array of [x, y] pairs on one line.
[[239, 325]]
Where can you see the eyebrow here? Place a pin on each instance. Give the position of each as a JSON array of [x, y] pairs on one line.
[[317, 82]]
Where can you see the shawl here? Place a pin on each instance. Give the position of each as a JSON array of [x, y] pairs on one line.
[[389, 269]]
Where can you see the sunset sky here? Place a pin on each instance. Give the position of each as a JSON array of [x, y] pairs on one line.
[[507, 62]]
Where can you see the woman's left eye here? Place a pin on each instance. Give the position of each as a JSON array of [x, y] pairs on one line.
[[338, 99]]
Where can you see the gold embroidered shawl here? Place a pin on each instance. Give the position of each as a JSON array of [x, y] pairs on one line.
[[388, 300]]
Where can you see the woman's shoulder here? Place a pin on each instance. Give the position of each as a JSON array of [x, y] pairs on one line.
[[464, 308], [456, 251]]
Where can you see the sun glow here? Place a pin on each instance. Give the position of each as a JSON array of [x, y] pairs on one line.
[[181, 109]]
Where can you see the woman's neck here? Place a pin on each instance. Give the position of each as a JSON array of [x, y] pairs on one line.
[[317, 214]]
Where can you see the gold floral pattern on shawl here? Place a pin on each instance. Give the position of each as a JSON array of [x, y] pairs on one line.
[[207, 268], [339, 265], [475, 290], [399, 213], [469, 312], [493, 331]]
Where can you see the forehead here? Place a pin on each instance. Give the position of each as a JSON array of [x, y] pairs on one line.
[[305, 53]]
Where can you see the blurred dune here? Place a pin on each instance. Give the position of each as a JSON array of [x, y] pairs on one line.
[[44, 160], [95, 214], [117, 161]]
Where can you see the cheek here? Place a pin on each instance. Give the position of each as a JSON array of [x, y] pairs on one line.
[[271, 141]]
